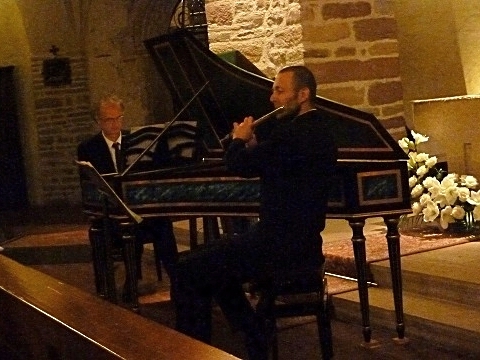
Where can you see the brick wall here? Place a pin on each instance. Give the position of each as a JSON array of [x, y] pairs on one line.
[[351, 46], [62, 115]]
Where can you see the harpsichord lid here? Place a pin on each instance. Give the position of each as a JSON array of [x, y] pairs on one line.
[[233, 93]]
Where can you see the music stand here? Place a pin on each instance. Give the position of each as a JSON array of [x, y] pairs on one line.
[[103, 261]]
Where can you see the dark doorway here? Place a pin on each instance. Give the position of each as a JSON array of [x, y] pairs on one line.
[[13, 190]]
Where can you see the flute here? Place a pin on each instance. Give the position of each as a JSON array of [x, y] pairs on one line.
[[268, 116], [282, 110]]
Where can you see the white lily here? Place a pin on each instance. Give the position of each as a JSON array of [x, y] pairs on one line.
[[417, 208], [431, 162], [474, 198], [416, 191], [458, 212], [446, 217], [421, 157], [419, 138], [463, 193], [412, 181], [422, 170], [469, 181], [430, 212]]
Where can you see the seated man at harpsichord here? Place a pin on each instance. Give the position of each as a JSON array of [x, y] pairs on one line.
[[295, 163], [104, 152]]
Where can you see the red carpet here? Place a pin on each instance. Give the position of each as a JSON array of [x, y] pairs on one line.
[[340, 259]]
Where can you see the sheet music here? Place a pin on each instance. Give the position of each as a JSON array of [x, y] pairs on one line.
[[180, 138]]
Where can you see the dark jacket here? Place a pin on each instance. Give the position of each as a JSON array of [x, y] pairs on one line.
[[295, 164], [95, 150]]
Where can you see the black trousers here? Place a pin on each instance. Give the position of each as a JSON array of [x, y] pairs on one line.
[[160, 232], [218, 271]]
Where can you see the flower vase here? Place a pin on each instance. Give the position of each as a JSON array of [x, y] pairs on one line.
[[415, 225], [465, 227]]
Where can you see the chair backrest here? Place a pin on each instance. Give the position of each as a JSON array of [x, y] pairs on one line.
[[175, 147]]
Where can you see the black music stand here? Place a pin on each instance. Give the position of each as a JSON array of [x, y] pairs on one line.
[[102, 245]]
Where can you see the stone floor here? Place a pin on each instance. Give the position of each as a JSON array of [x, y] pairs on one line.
[[298, 340]]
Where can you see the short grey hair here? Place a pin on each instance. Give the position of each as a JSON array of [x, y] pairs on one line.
[[107, 99]]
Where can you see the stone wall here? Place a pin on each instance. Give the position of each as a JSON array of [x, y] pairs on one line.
[[351, 46], [63, 118], [268, 33]]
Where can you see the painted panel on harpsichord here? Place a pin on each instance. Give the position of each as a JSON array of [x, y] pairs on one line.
[[228, 194], [363, 188], [372, 173]]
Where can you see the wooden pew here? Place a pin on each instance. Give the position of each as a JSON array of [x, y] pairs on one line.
[[43, 318]]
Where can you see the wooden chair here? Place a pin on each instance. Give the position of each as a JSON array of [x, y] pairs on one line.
[[296, 294]]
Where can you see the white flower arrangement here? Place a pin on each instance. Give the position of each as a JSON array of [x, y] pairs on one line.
[[447, 198]]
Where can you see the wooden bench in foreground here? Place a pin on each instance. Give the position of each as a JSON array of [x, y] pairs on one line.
[[43, 318]]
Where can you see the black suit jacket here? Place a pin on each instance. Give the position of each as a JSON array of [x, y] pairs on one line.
[[95, 150], [295, 164]]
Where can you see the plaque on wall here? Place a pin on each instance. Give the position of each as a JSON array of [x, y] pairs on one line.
[[56, 72]]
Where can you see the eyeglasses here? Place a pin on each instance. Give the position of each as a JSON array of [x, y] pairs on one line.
[[112, 119]]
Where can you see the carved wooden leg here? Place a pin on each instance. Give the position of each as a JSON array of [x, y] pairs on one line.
[[95, 235], [130, 295], [358, 241], [106, 252], [192, 226], [107, 259], [211, 231], [393, 240]]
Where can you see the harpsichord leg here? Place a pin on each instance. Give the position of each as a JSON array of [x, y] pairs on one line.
[[211, 231], [130, 295], [393, 240], [96, 237], [358, 242], [106, 254]]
